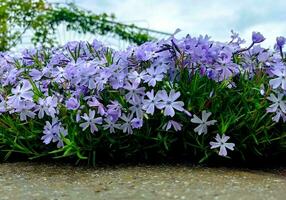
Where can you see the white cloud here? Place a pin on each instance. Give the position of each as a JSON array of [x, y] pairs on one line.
[[213, 17]]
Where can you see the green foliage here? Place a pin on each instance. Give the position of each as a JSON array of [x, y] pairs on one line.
[[16, 17], [42, 19], [239, 111]]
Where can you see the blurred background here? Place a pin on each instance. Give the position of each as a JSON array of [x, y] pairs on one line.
[[27, 23]]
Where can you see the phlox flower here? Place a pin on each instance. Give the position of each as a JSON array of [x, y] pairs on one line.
[[113, 111], [126, 127], [136, 108], [134, 91], [21, 92], [257, 37], [279, 114], [54, 132], [25, 109], [95, 103], [171, 123], [203, 123], [150, 103], [280, 80], [169, 103], [90, 121], [278, 103], [109, 124], [48, 106], [154, 75], [136, 123], [72, 104], [221, 143], [137, 77]]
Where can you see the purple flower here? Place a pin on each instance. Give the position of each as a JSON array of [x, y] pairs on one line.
[[154, 75], [102, 79], [88, 74], [3, 105], [137, 77], [150, 103], [54, 132], [90, 121], [257, 37], [221, 142], [280, 41], [36, 74], [72, 104], [95, 103], [113, 111], [117, 80], [203, 123], [111, 125], [169, 103], [136, 108], [279, 114], [78, 117], [21, 92], [225, 71], [280, 80], [126, 127], [48, 106], [25, 110], [278, 103], [171, 123], [136, 123], [134, 93], [58, 75]]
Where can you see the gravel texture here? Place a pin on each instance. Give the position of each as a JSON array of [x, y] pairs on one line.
[[30, 181]]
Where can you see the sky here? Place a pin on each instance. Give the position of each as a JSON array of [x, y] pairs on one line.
[[213, 17]]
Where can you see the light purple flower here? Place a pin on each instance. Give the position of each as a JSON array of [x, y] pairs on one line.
[[278, 103], [21, 92], [36, 74], [280, 41], [203, 123], [24, 108], [72, 104], [169, 103], [113, 111], [48, 106], [3, 105], [137, 77], [257, 37], [88, 73], [126, 127], [134, 91], [280, 80], [136, 123], [111, 125], [221, 142], [136, 108], [54, 132], [171, 123], [101, 79], [279, 114], [95, 103], [150, 103], [58, 74], [90, 121], [154, 75]]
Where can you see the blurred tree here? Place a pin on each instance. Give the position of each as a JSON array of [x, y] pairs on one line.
[[41, 18], [16, 17]]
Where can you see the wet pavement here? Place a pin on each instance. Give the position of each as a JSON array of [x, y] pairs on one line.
[[51, 181]]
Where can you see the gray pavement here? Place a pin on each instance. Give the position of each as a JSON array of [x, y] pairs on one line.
[[37, 181]]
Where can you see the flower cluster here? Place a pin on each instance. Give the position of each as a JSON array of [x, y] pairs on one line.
[[100, 89]]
